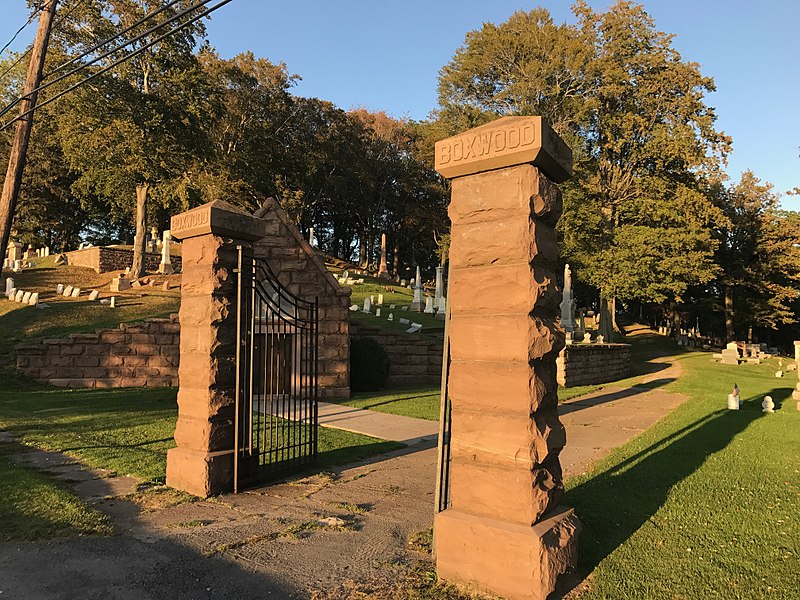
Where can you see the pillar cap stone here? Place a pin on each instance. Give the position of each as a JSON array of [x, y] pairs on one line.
[[505, 142], [217, 218]]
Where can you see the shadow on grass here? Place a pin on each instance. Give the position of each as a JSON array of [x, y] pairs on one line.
[[581, 402], [615, 503]]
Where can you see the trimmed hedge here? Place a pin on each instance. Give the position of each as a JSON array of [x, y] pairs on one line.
[[369, 365]]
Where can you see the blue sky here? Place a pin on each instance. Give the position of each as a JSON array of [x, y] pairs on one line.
[[385, 55]]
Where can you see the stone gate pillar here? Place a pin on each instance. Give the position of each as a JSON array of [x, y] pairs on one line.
[[504, 532], [202, 462]]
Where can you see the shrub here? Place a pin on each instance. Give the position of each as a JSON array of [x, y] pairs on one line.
[[369, 365]]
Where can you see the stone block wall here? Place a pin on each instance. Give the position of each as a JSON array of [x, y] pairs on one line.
[[108, 258], [303, 273], [412, 358], [133, 355], [589, 364]]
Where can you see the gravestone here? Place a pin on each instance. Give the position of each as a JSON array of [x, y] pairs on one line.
[[17, 266], [76, 292], [166, 263], [34, 299], [311, 237], [113, 303], [380, 299], [26, 297], [14, 252], [567, 303], [383, 271], [417, 302], [67, 291], [504, 531], [120, 284], [391, 317], [9, 285], [60, 289], [377, 312], [367, 305], [94, 295], [19, 295], [429, 306], [730, 356], [768, 406]]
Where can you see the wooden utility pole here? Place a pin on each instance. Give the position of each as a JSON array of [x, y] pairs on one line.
[[22, 134]]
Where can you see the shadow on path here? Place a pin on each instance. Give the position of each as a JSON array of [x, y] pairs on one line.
[[616, 502]]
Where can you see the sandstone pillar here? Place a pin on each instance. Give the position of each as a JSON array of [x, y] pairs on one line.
[[504, 532], [202, 462]]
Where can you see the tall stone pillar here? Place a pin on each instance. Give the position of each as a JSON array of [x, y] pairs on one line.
[[202, 462], [504, 532], [383, 270]]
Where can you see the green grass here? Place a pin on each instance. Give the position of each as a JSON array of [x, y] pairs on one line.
[[33, 506], [705, 504], [421, 402]]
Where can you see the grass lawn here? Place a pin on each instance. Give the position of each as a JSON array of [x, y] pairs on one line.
[[705, 504], [421, 402]]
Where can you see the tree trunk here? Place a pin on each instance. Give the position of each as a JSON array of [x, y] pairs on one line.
[[137, 270], [606, 319], [396, 255], [730, 332], [362, 247]]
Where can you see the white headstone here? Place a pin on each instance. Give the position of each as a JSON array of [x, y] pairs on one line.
[[733, 402], [415, 328], [439, 284], [9, 285], [60, 289], [367, 304], [567, 303], [67, 291], [26, 297], [600, 339], [94, 295], [113, 303], [377, 312], [166, 262], [17, 266], [391, 317], [392, 306], [417, 302], [76, 292], [47, 251], [34, 299], [380, 299], [429, 305], [18, 296], [768, 406], [404, 321], [311, 236]]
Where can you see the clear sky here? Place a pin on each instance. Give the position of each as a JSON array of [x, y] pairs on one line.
[[385, 55]]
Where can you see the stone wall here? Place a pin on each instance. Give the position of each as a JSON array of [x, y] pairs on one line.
[[412, 358], [132, 355], [109, 258], [589, 364], [303, 273]]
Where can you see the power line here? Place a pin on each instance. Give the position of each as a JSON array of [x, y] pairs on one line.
[[119, 47], [117, 35], [124, 59], [21, 29]]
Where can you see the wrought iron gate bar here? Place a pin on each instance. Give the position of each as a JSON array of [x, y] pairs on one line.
[[277, 375]]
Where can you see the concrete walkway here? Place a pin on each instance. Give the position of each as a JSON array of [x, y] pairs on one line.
[[395, 428]]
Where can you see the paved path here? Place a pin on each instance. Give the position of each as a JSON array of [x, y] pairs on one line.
[[395, 428]]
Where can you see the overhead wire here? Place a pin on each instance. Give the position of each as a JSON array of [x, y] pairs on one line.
[[114, 50], [21, 29], [124, 59]]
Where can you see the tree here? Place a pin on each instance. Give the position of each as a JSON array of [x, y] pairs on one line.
[[637, 217], [759, 257], [136, 131]]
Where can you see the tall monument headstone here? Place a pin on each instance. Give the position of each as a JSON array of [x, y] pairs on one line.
[[568, 303], [504, 531], [418, 303], [383, 270]]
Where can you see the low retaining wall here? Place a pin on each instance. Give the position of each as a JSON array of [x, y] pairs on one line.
[[133, 355], [412, 358], [108, 258], [589, 364]]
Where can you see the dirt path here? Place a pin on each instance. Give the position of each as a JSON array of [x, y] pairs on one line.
[[599, 422]]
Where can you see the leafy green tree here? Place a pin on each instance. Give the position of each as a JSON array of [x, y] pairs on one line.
[[637, 216], [759, 256], [134, 134]]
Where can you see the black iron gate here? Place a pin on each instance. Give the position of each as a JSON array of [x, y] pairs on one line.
[[276, 376]]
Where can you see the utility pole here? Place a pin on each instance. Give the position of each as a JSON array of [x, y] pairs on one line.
[[22, 134]]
